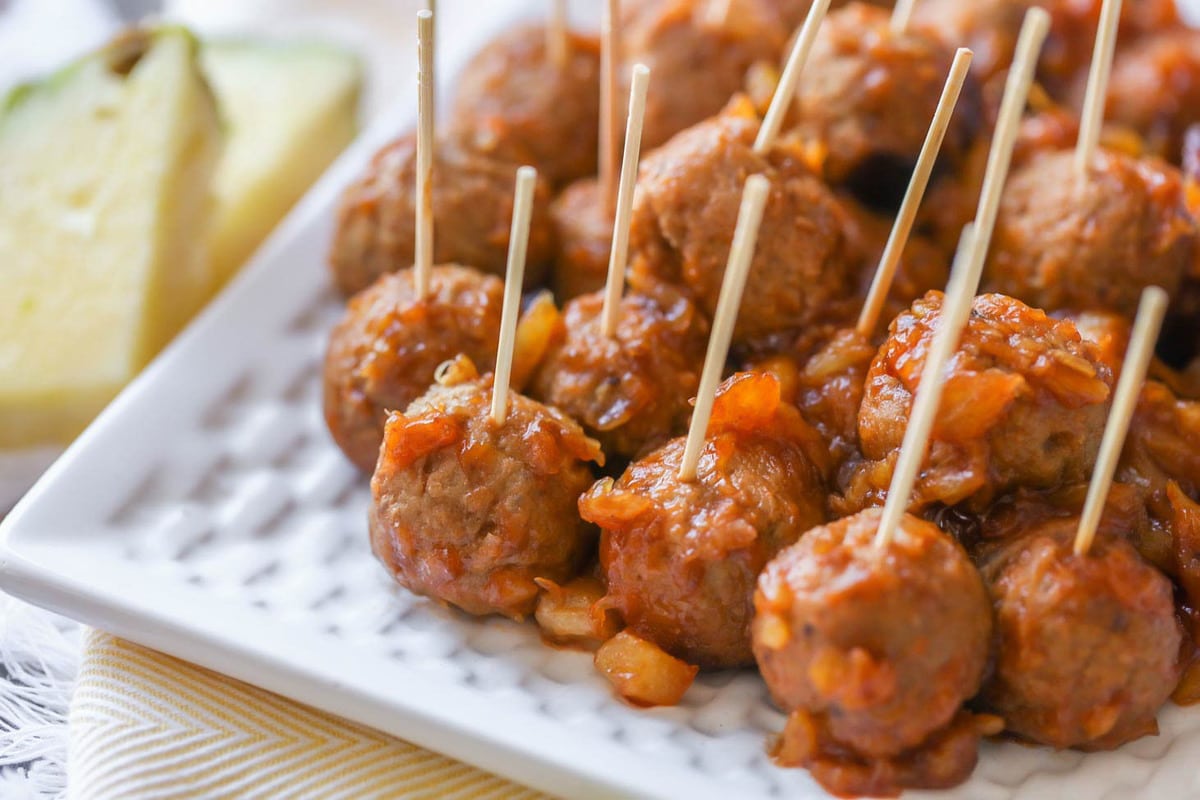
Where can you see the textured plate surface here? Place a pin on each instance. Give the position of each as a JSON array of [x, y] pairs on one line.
[[207, 514]]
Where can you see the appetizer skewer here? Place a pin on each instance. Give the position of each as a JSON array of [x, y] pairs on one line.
[[625, 365], [1080, 610], [384, 352], [1072, 224], [473, 498], [872, 631], [685, 530]]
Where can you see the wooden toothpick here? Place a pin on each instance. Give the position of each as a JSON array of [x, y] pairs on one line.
[[956, 307], [785, 92], [619, 255], [901, 15], [1012, 108], [741, 254], [423, 260], [964, 279], [518, 244], [1092, 118], [716, 13], [610, 57], [1151, 311], [557, 43], [902, 229]]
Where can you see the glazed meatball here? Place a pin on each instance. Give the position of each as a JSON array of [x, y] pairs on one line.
[[630, 392], [872, 650], [472, 513], [1155, 89], [866, 98], [584, 240], [684, 216], [472, 209], [681, 558], [516, 104], [951, 200], [387, 347], [1102, 624], [698, 62], [1025, 401], [991, 29], [1096, 243]]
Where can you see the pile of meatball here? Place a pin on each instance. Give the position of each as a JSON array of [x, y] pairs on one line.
[[573, 511]]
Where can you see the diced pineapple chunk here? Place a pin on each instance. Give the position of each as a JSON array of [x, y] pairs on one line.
[[290, 109], [105, 170], [642, 672]]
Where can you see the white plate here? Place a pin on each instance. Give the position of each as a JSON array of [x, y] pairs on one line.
[[206, 514]]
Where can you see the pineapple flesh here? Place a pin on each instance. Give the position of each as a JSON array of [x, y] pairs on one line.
[[106, 171]]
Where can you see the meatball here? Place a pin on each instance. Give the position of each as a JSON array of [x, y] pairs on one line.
[[387, 347], [685, 213], [681, 558], [991, 29], [1102, 624], [698, 62], [584, 233], [472, 209], [1025, 401], [472, 513], [631, 391], [866, 99], [1155, 89], [516, 104], [873, 650], [952, 199], [1096, 243]]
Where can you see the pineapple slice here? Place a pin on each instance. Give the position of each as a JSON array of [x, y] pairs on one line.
[[105, 175], [290, 109]]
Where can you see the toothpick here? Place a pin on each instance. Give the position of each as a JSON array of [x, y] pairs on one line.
[[956, 307], [1151, 311], [557, 43], [901, 15], [902, 229], [1012, 108], [518, 244], [741, 254], [609, 58], [968, 268], [716, 12], [1092, 118], [423, 260], [785, 93], [619, 256]]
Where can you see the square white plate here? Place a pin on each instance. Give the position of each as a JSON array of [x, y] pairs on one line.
[[206, 514]]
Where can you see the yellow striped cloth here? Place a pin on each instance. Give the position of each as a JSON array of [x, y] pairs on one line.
[[144, 725]]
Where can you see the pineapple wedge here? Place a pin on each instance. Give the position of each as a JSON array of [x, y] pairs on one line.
[[290, 109], [105, 176]]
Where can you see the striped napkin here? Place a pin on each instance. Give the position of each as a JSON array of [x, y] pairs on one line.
[[144, 725]]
